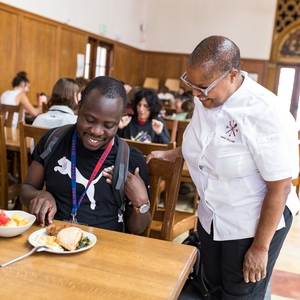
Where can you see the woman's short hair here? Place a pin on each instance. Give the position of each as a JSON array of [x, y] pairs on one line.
[[152, 99], [63, 93], [21, 77]]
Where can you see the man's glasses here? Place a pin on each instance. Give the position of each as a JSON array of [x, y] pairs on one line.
[[211, 86]]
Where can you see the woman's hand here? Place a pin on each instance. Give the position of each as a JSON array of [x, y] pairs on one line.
[[43, 206], [157, 126], [255, 264], [125, 120], [165, 155]]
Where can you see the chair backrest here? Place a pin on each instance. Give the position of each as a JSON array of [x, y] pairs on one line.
[[172, 127], [181, 126], [172, 84], [8, 112], [146, 148], [27, 133], [152, 83], [3, 165], [170, 172]]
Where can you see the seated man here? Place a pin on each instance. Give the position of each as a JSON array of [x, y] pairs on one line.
[[76, 173]]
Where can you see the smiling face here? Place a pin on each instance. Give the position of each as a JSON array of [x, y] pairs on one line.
[[98, 119], [218, 95], [143, 110]]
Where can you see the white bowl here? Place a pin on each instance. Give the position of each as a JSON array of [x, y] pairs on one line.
[[10, 231]]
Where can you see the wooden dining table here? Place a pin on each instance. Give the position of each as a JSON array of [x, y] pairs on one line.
[[119, 266]]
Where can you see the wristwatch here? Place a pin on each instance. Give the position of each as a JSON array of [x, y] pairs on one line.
[[143, 208]]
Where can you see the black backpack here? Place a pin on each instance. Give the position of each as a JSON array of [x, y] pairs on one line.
[[120, 169], [196, 277]]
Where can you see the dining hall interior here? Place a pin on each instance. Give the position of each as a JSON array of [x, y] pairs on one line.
[[146, 43]]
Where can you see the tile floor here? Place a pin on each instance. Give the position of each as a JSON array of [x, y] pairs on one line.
[[285, 281]]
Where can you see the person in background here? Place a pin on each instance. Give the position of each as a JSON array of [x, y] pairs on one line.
[[82, 83], [165, 95], [180, 91], [187, 109], [18, 96], [184, 105], [145, 125], [242, 164], [94, 145], [62, 105]]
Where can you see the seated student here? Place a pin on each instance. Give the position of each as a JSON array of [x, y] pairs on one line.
[[62, 105], [82, 83], [165, 94], [186, 110], [145, 125], [94, 145], [18, 96]]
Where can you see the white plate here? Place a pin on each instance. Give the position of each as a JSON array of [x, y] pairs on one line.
[[42, 232]]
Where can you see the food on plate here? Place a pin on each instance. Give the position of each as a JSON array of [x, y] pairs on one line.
[[49, 241], [69, 237], [54, 229], [14, 221]]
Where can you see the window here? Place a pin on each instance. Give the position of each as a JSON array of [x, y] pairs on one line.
[[97, 58]]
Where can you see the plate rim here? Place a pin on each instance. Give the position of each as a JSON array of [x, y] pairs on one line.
[[42, 231]]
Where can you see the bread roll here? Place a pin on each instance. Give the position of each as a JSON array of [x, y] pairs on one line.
[[69, 238]]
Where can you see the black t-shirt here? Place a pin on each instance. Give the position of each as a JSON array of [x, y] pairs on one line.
[[99, 208]]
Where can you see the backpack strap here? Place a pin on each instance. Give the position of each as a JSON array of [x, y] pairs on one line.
[[120, 176], [53, 138]]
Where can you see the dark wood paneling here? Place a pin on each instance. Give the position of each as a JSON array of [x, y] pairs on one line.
[[8, 48], [256, 66], [127, 64], [37, 53], [71, 44], [47, 50]]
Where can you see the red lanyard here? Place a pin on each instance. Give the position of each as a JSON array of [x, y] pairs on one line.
[[75, 203]]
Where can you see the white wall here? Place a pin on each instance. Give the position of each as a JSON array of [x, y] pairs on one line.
[[170, 25]]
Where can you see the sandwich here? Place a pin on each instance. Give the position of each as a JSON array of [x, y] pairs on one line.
[[69, 238]]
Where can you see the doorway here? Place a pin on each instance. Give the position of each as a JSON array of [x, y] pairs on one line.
[[288, 88]]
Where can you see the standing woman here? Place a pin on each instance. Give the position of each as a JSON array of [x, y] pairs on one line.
[[242, 163], [18, 96], [145, 125]]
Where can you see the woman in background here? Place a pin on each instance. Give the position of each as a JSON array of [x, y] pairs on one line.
[[62, 105], [18, 96], [145, 125]]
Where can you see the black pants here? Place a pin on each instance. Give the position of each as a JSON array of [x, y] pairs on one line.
[[223, 264]]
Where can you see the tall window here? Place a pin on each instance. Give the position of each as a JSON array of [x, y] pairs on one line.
[[98, 58]]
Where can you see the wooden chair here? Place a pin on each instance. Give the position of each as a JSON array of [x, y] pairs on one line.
[[151, 83], [172, 127], [27, 133], [162, 225], [187, 221], [172, 84], [9, 110], [9, 185]]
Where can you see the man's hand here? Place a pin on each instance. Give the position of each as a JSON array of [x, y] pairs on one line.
[[43, 206], [135, 189]]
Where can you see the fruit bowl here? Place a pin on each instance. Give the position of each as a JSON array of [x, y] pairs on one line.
[[10, 231]]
